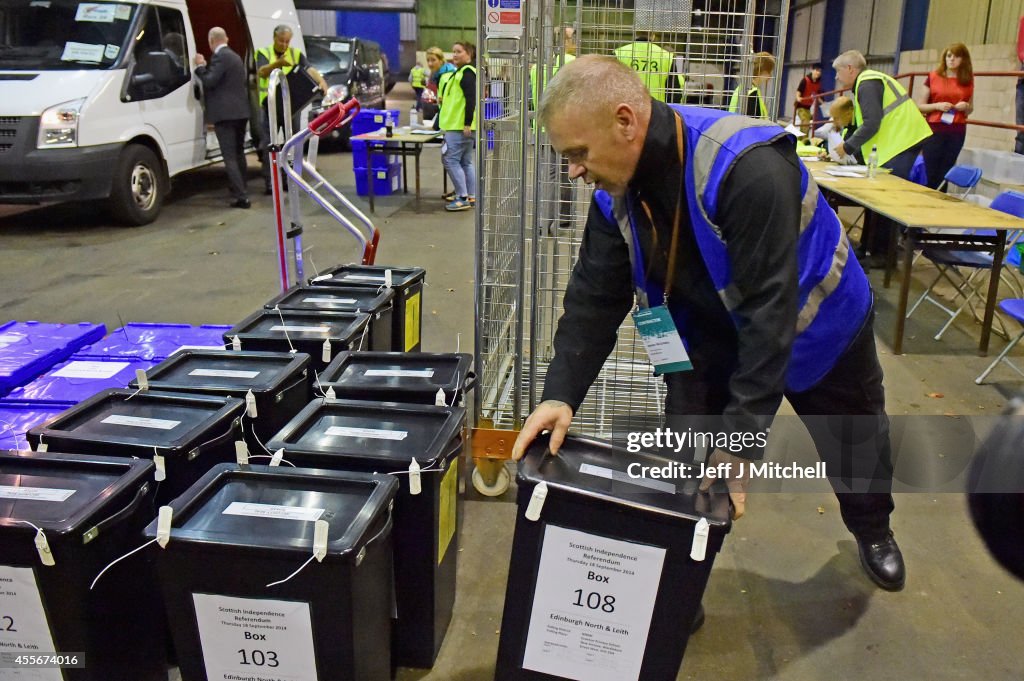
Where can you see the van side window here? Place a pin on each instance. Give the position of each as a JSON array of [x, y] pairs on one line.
[[161, 57]]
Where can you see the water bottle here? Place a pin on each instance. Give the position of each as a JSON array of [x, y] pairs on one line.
[[389, 125], [414, 117], [873, 161]]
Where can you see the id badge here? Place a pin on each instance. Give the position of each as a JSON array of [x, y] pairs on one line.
[[661, 340], [948, 117]]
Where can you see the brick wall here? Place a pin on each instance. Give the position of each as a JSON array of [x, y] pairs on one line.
[[993, 97]]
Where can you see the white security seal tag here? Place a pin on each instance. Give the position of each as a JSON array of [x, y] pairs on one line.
[[415, 484], [699, 548], [536, 505]]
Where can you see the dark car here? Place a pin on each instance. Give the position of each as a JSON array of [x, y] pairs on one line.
[[352, 67]]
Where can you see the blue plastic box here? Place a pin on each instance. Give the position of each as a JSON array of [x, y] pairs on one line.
[[377, 160], [73, 381], [16, 418], [28, 349], [372, 120], [385, 182], [154, 341]]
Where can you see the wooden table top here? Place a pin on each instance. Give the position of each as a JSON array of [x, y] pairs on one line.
[[399, 136], [911, 204]]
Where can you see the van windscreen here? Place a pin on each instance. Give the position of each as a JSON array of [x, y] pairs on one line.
[[61, 35]]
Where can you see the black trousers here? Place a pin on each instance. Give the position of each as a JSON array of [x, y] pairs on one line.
[[265, 142], [231, 137], [941, 151], [845, 416], [876, 239]]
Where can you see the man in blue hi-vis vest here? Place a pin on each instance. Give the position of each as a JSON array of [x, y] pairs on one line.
[[708, 221]]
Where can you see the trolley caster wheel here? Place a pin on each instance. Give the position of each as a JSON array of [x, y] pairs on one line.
[[500, 486]]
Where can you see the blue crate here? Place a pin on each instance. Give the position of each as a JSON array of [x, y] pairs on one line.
[[372, 120], [377, 159], [16, 418], [154, 341], [76, 380], [385, 182], [28, 349]]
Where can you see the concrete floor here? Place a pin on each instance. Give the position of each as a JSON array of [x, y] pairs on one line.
[[787, 598]]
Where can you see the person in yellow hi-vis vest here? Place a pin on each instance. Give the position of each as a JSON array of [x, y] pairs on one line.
[[889, 122], [558, 187], [279, 55], [752, 104], [655, 66], [418, 81], [458, 122]]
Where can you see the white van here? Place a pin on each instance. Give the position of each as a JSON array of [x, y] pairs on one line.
[[97, 99]]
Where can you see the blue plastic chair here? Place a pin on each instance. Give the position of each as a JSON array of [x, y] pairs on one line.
[[954, 265], [1012, 307], [964, 177]]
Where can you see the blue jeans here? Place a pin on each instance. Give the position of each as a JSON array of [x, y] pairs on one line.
[[458, 159]]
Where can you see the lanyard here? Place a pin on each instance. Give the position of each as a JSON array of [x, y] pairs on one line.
[[670, 274]]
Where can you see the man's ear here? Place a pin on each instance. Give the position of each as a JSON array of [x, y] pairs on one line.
[[626, 122]]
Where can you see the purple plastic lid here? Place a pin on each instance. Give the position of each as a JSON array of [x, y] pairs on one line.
[[78, 379], [27, 349], [17, 418], [155, 341]]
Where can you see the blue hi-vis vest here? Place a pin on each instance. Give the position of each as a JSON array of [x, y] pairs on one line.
[[834, 294]]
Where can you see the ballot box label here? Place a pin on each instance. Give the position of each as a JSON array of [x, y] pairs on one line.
[[592, 606], [248, 638], [23, 626]]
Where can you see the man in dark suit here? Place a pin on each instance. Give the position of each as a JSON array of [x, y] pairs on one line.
[[227, 107]]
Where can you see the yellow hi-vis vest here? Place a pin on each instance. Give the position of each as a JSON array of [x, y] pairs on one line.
[[902, 124], [734, 103], [453, 104], [291, 54], [419, 76], [651, 62]]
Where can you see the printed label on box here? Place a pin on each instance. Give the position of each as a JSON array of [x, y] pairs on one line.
[[370, 433], [23, 626], [99, 370], [412, 321], [401, 373], [375, 278], [250, 638], [340, 301], [140, 422], [447, 511], [273, 511], [301, 329], [224, 373], [619, 476], [592, 606], [35, 494]]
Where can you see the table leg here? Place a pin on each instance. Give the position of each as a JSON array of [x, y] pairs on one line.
[[405, 179], [901, 309], [993, 292], [893, 252], [419, 149]]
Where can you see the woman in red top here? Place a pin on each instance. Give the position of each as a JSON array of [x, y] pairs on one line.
[[947, 102]]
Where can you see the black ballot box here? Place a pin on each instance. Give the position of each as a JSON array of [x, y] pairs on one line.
[[386, 438], [255, 589], [88, 511], [608, 568]]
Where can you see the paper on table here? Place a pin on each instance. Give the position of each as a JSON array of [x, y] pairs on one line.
[[844, 172], [793, 130], [424, 132]]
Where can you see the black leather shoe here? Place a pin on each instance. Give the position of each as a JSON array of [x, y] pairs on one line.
[[241, 203], [883, 562], [698, 619]]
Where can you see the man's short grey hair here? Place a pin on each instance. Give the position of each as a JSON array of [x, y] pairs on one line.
[[217, 34], [850, 58], [282, 28], [593, 84]]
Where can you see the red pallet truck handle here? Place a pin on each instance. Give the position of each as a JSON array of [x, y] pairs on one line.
[[334, 117], [370, 251]]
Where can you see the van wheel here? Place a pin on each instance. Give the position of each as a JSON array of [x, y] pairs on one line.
[[138, 191]]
